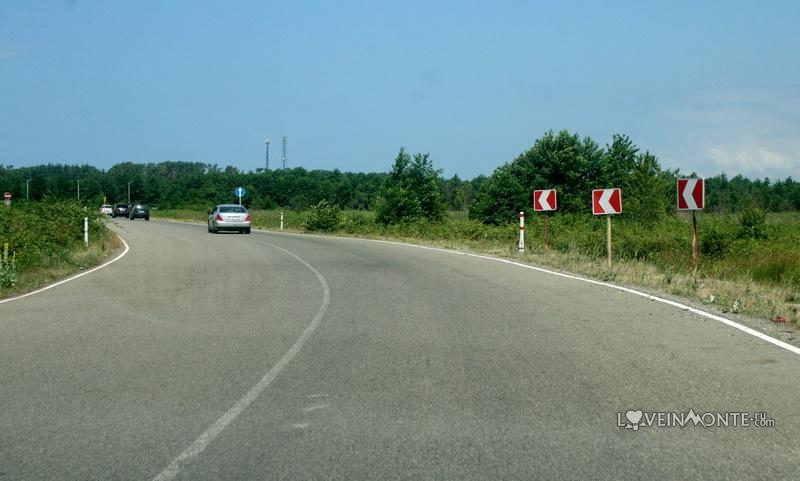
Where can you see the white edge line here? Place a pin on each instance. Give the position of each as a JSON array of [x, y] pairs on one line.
[[72, 278], [220, 424], [723, 320]]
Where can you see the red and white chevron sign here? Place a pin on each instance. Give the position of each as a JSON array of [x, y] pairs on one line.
[[606, 201], [544, 200], [691, 194]]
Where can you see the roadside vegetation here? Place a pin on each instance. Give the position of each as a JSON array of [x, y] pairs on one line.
[[41, 242], [749, 232]]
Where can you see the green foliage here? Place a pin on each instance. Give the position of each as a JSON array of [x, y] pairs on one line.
[[411, 191], [8, 273], [574, 167], [716, 241], [323, 217], [753, 224], [39, 231]]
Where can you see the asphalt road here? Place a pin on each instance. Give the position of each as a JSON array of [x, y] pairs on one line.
[[415, 365]]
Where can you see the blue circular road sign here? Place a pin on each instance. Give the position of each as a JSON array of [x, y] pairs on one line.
[[239, 192]]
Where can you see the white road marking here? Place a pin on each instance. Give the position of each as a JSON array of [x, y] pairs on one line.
[[708, 315], [301, 425], [207, 437], [314, 408], [314, 396], [651, 297], [72, 278]]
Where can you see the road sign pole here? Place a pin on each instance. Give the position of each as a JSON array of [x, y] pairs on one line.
[[608, 238], [695, 255], [240, 200], [546, 232], [522, 232]]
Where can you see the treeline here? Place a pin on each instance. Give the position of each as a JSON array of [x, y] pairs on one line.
[[198, 185], [575, 166], [562, 160]]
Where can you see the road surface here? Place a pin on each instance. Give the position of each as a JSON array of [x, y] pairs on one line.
[[275, 356]]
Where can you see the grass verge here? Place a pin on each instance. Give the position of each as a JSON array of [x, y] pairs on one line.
[[42, 242]]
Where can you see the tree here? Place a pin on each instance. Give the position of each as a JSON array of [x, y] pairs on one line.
[[412, 191]]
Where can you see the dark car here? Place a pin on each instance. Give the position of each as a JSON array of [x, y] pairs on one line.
[[140, 211], [120, 210]]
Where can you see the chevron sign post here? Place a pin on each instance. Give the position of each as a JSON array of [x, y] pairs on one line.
[[607, 202], [545, 201], [692, 196]]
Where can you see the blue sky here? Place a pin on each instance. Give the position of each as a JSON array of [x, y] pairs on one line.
[[707, 86]]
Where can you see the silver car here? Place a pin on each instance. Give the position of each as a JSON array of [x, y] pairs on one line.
[[229, 217]]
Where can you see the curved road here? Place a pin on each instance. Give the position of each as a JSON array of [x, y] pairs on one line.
[[201, 356]]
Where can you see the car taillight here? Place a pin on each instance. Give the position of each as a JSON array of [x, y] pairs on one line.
[[219, 217], [247, 219]]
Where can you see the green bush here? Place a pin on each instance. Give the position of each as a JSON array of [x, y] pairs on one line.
[[8, 273], [753, 224], [322, 217], [716, 241], [38, 231]]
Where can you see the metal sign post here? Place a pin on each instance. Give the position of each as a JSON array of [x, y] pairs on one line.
[[608, 239], [545, 201]]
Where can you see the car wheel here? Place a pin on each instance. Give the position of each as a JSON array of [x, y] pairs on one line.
[[247, 231], [147, 218]]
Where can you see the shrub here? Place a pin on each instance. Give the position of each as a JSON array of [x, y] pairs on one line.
[[8, 273], [753, 224], [716, 242], [323, 217]]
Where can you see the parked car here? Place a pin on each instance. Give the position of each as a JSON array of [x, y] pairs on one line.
[[120, 210], [229, 217], [106, 209], [139, 211]]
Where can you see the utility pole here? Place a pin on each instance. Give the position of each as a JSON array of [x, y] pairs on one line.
[[266, 143], [27, 189], [129, 193], [283, 158], [79, 190]]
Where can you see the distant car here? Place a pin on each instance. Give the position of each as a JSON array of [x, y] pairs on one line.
[[106, 209], [229, 217], [139, 211], [120, 210]]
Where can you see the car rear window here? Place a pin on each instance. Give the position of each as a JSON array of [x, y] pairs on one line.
[[232, 209]]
